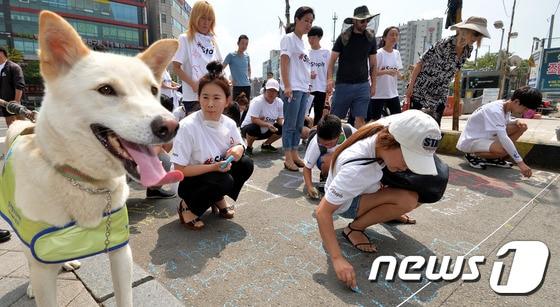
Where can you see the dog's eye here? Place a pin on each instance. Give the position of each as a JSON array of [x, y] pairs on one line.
[[107, 90], [154, 90]]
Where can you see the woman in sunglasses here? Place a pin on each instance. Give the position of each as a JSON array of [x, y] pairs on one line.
[[428, 84]]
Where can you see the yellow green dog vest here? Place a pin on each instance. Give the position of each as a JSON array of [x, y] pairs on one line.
[[51, 244]]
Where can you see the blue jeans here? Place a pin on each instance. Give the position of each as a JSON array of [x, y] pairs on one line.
[[352, 212], [294, 114], [353, 97]]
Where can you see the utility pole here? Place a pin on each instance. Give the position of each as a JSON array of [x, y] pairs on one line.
[[287, 13], [456, 93], [334, 18], [550, 31], [505, 66]]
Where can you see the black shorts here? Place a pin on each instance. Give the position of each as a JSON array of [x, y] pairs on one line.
[[254, 130], [191, 106]]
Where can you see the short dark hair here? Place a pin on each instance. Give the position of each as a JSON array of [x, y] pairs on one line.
[[242, 36], [528, 97], [329, 127], [315, 31], [4, 51], [215, 75]]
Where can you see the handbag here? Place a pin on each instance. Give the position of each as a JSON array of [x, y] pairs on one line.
[[430, 188]]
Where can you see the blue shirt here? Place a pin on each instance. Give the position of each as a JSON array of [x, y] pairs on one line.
[[239, 67]]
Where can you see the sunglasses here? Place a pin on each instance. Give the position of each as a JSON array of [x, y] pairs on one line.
[[363, 21]]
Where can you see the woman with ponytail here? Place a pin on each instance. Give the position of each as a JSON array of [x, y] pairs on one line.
[[353, 189], [204, 142]]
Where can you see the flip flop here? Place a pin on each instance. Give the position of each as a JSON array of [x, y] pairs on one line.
[[347, 236]]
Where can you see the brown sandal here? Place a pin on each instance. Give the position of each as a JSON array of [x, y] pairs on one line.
[[347, 236], [226, 213], [299, 163], [192, 224], [404, 219], [293, 167]]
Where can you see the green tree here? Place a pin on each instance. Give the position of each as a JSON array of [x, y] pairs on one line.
[[31, 73], [486, 62], [15, 55]]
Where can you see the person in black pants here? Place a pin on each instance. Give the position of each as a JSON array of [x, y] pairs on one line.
[[209, 150]]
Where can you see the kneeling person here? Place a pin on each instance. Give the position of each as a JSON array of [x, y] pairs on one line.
[[330, 134], [264, 118], [489, 136]]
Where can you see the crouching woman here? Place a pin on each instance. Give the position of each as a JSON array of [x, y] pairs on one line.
[[205, 140], [353, 188]]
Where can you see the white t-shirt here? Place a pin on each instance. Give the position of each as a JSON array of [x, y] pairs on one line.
[[484, 123], [299, 68], [387, 85], [260, 108], [347, 181], [198, 143], [313, 153], [319, 61], [194, 56]]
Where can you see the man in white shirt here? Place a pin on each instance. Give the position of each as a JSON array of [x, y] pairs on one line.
[[264, 119], [489, 136]]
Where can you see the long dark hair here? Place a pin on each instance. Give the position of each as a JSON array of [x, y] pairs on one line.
[[384, 139], [382, 43], [300, 12], [215, 75]]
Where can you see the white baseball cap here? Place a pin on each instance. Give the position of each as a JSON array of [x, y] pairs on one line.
[[272, 83], [419, 136]]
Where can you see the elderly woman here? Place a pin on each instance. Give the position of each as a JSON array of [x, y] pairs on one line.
[[429, 82]]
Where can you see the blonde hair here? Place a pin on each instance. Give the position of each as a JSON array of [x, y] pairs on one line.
[[462, 36], [200, 8]]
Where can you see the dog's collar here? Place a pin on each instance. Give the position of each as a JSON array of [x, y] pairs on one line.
[[73, 173]]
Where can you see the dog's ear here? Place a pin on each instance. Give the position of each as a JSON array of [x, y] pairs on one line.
[[158, 55], [60, 45]]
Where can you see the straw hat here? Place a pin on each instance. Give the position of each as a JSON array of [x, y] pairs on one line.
[[474, 23]]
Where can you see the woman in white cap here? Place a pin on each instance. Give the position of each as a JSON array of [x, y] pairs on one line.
[[353, 189], [429, 82]]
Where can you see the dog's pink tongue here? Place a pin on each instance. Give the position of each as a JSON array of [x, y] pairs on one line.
[[149, 166]]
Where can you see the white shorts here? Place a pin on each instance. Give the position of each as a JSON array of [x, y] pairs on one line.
[[478, 145]]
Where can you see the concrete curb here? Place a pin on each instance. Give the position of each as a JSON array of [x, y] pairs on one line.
[[542, 155], [95, 274]]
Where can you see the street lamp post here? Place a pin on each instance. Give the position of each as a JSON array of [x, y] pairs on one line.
[[498, 24], [503, 69]]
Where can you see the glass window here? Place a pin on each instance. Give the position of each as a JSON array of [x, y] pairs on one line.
[[163, 18], [26, 46], [104, 9]]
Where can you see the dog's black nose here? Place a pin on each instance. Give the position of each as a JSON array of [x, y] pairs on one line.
[[164, 128]]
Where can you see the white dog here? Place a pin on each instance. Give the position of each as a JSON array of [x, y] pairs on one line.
[[100, 118]]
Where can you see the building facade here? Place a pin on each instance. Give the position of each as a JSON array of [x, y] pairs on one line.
[[415, 38], [272, 65], [167, 18], [120, 26]]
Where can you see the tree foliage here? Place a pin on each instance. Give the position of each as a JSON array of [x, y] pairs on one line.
[[486, 62]]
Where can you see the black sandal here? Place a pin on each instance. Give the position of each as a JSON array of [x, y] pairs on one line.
[[192, 224], [347, 236]]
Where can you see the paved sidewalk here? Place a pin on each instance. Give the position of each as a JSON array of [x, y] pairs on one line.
[[91, 285]]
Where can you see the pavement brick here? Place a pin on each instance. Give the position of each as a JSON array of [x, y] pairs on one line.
[[11, 290], [95, 273], [69, 293], [11, 261], [151, 293]]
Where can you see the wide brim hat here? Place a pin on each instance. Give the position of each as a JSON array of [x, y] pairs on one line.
[[360, 13], [474, 23]]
